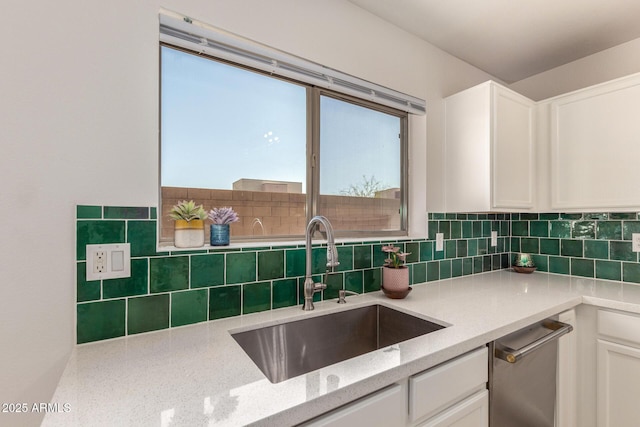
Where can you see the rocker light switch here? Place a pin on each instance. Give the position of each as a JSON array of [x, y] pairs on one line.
[[439, 241]]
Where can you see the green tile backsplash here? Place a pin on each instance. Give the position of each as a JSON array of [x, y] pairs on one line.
[[176, 288]]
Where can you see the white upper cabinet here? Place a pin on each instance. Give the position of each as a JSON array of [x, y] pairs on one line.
[[489, 150], [595, 146]]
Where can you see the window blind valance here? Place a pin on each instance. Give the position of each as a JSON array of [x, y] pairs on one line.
[[188, 35]]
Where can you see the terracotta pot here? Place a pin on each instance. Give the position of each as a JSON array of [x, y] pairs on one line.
[[395, 279], [188, 234]]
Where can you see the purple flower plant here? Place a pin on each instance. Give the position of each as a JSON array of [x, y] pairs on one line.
[[223, 215], [396, 258]]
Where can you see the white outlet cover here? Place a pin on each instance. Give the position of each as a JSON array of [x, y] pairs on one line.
[[439, 242], [494, 238], [635, 242], [121, 252]]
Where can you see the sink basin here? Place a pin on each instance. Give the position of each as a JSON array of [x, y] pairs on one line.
[[290, 349]]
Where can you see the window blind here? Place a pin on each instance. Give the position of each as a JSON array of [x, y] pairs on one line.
[[204, 39]]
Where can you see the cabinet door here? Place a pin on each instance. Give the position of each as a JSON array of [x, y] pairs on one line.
[[618, 385], [471, 412], [595, 146], [512, 150], [387, 407]]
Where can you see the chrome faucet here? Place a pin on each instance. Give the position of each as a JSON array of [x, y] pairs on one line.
[[310, 288]]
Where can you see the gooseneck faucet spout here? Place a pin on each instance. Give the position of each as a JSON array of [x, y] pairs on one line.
[[310, 288]]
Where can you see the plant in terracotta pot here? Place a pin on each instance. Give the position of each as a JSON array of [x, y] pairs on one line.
[[395, 275], [221, 218], [189, 224]]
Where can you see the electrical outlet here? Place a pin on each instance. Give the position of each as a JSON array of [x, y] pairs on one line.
[[494, 238], [108, 261], [635, 242], [439, 241], [99, 261]]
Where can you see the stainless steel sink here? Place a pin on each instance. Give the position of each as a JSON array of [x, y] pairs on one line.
[[290, 349]]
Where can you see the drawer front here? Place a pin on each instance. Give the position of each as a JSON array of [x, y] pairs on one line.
[[438, 388], [617, 325], [471, 412]]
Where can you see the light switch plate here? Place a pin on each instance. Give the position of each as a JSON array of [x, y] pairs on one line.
[[635, 242], [108, 261], [439, 241], [494, 238]]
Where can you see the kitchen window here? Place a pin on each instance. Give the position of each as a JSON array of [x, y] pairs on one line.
[[277, 150]]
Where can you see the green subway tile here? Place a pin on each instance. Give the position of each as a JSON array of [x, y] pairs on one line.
[[472, 217], [560, 229], [515, 244], [426, 250], [456, 267], [146, 314], [461, 248], [256, 297], [549, 216], [528, 216], [433, 271], [433, 229], [487, 263], [345, 257], [450, 249], [372, 279], [88, 212], [182, 252], [530, 245], [334, 282], [609, 230], [461, 216], [353, 281], [189, 307], [100, 320], [153, 213], [450, 216], [582, 267], [541, 262], [136, 284], [467, 229], [118, 212], [630, 227], [621, 251], [477, 228], [456, 229], [207, 270], [168, 274], [608, 270], [438, 215], [623, 215], [559, 265], [445, 269], [271, 265], [413, 248], [96, 233], [596, 216], [379, 256], [444, 227], [550, 246], [241, 267], [596, 249], [570, 247], [362, 256], [467, 266], [486, 228], [584, 230], [285, 293], [539, 228], [571, 216], [477, 265], [631, 272], [482, 246], [295, 261], [419, 272], [86, 290], [224, 301], [520, 228], [472, 247], [143, 237]]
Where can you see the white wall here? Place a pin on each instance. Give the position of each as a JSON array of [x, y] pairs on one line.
[[79, 111], [603, 66]]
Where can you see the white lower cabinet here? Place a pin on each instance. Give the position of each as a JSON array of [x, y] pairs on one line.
[[471, 412], [451, 394], [618, 370]]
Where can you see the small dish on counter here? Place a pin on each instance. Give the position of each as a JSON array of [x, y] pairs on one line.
[[396, 294], [526, 270]]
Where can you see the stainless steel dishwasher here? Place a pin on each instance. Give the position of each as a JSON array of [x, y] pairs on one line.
[[522, 384]]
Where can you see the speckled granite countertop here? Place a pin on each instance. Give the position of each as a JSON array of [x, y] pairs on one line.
[[198, 375]]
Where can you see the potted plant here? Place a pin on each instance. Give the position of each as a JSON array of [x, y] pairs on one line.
[[221, 218], [395, 275], [189, 224]]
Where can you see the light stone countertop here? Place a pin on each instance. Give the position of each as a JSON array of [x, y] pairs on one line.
[[198, 375]]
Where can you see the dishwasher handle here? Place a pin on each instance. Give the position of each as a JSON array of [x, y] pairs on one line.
[[513, 355]]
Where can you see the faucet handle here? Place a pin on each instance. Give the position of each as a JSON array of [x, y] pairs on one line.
[[342, 295]]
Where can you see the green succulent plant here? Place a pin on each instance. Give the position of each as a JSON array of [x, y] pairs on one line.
[[187, 211]]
